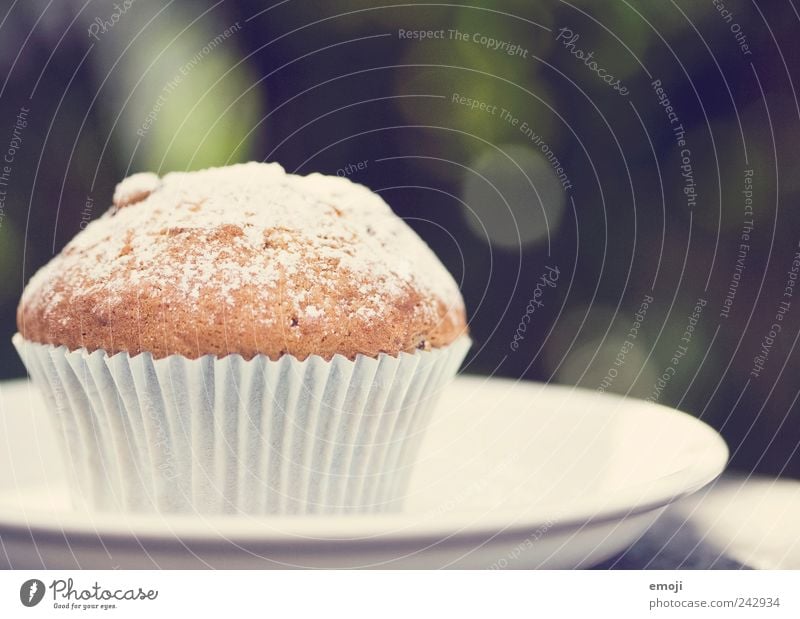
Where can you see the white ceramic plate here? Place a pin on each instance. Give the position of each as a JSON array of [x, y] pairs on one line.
[[512, 475]]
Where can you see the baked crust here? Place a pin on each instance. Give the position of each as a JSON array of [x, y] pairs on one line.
[[244, 260]]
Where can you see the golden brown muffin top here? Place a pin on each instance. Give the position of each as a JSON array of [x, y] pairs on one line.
[[244, 259]]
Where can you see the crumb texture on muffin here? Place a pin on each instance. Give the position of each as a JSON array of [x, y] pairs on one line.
[[245, 259]]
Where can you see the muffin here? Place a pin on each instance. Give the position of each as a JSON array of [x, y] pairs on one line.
[[240, 339]]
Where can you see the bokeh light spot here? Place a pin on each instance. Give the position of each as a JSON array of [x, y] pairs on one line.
[[513, 195]]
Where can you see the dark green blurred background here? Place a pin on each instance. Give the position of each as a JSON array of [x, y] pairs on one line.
[[94, 90]]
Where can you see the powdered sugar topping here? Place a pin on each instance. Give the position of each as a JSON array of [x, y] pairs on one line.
[[250, 224]]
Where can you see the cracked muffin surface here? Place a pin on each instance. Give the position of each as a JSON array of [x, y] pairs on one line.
[[247, 260]]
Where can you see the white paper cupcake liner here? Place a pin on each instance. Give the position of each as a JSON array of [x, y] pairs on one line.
[[228, 435]]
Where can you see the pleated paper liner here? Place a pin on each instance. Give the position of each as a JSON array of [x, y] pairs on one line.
[[228, 435]]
